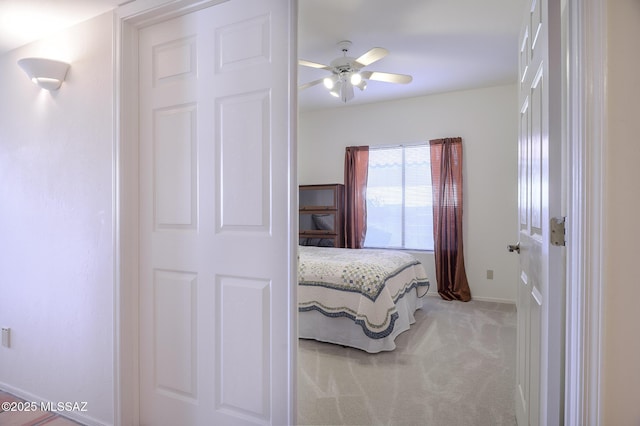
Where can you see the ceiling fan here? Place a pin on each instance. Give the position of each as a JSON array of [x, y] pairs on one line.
[[346, 72]]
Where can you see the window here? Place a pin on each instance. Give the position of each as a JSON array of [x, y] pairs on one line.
[[399, 211]]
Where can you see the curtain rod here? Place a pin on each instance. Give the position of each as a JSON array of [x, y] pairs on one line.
[[387, 146]]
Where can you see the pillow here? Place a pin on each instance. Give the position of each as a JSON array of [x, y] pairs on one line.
[[323, 222]]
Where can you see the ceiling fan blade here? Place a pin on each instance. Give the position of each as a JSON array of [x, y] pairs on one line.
[[310, 84], [387, 77], [305, 63], [372, 56]]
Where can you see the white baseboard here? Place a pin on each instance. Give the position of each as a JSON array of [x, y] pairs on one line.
[[480, 299]]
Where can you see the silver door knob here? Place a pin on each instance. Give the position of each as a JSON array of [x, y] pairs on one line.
[[514, 247]]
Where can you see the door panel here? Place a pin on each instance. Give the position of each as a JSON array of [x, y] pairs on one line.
[[215, 207], [537, 117], [539, 349], [523, 299]]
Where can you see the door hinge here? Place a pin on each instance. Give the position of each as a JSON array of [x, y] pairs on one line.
[[557, 231]]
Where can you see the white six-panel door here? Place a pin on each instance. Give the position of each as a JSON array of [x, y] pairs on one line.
[[540, 295], [215, 210]]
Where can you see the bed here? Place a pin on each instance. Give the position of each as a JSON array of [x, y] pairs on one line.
[[360, 298]]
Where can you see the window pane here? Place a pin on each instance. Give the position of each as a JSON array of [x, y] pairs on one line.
[[399, 213], [418, 211], [384, 199]]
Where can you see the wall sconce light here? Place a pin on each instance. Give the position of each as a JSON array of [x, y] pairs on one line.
[[46, 73]]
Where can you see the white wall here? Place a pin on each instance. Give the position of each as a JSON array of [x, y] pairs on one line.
[[56, 232], [621, 316], [486, 119]]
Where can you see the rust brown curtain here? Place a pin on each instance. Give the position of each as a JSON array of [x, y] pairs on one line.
[[356, 165], [446, 179]]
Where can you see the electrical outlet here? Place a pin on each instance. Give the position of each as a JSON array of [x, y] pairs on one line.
[[489, 274], [6, 337]]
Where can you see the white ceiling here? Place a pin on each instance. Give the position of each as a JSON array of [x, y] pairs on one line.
[[25, 21], [444, 44]]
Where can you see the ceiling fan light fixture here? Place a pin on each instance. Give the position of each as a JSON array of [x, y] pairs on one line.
[[346, 92], [356, 79], [336, 90], [329, 82], [347, 72]]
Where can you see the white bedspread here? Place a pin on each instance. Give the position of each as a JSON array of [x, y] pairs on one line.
[[363, 285]]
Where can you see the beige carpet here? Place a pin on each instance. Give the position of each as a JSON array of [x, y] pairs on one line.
[[454, 367]]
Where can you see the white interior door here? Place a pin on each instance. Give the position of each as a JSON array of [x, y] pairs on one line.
[[216, 344], [540, 298]]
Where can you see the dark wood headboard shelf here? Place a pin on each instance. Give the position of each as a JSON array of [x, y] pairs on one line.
[[321, 215]]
